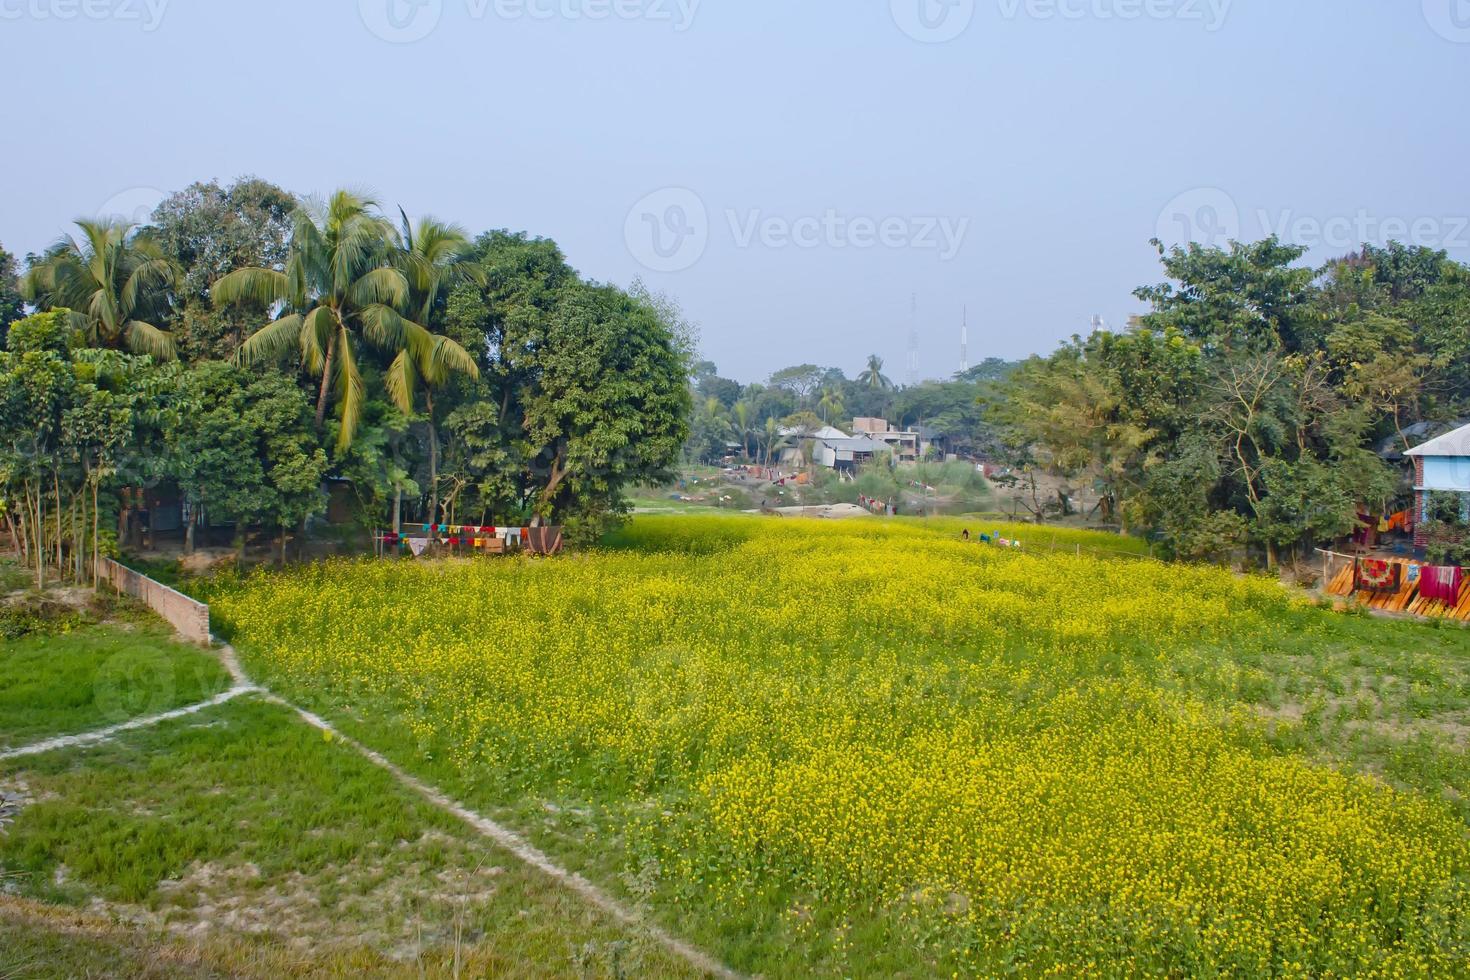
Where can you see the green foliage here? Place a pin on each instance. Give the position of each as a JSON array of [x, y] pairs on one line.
[[12, 307], [346, 283], [114, 282], [1251, 400], [802, 381], [246, 447], [210, 231], [70, 419], [585, 389]]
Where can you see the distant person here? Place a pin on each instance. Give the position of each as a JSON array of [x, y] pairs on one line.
[[965, 535]]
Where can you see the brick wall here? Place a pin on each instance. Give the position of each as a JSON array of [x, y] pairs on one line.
[[188, 616], [1421, 504]]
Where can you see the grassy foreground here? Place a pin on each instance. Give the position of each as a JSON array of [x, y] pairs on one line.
[[240, 842], [54, 683], [868, 748]]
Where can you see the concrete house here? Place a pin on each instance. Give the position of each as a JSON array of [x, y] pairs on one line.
[[906, 444], [1441, 464]]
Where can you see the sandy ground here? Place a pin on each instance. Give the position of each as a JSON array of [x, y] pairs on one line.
[[827, 511]]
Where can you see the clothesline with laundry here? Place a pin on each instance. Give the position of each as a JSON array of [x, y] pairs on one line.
[[417, 539], [1369, 526], [1396, 585]]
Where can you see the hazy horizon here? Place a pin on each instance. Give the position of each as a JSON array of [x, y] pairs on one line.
[[790, 176]]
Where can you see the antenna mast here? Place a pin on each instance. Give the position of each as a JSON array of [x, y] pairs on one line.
[[965, 340], [913, 375]]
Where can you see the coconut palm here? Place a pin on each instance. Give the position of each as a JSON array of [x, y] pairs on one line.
[[430, 258], [741, 416], [115, 282], [342, 285], [831, 403], [873, 377], [773, 440]]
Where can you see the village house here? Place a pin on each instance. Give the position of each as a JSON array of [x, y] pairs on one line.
[[1441, 464], [906, 444]]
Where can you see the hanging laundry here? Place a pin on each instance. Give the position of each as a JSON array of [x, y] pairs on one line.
[[418, 546], [1442, 583], [1378, 576], [1360, 533]]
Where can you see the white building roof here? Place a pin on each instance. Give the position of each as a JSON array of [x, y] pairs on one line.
[[1456, 443], [825, 432], [858, 444]]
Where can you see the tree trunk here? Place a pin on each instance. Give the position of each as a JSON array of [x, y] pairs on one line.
[[60, 510], [557, 475], [397, 508], [40, 538], [96, 533], [327, 366], [433, 462]]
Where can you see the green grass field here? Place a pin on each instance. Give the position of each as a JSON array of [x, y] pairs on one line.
[[242, 842], [98, 675]]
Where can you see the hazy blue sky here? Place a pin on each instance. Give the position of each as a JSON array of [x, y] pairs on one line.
[[790, 172]]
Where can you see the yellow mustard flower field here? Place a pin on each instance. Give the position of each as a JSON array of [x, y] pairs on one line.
[[870, 748]]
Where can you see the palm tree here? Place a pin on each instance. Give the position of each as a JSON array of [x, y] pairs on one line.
[[873, 376], [774, 441], [430, 256], [831, 402], [741, 415], [340, 286], [115, 282]]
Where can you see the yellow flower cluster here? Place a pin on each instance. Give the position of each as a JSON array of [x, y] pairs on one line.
[[989, 750]]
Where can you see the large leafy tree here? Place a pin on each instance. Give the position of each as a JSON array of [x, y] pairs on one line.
[[247, 450], [72, 421], [115, 283], [583, 390], [1247, 295], [12, 307], [343, 285], [609, 406], [802, 380], [210, 231]]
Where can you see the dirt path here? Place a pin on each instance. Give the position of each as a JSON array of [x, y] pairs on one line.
[[103, 734], [501, 835], [523, 849]]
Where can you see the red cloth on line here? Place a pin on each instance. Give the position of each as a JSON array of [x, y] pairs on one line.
[[1441, 583]]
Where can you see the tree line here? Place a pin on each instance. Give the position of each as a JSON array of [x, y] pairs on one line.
[[248, 346], [757, 421], [1259, 403]]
